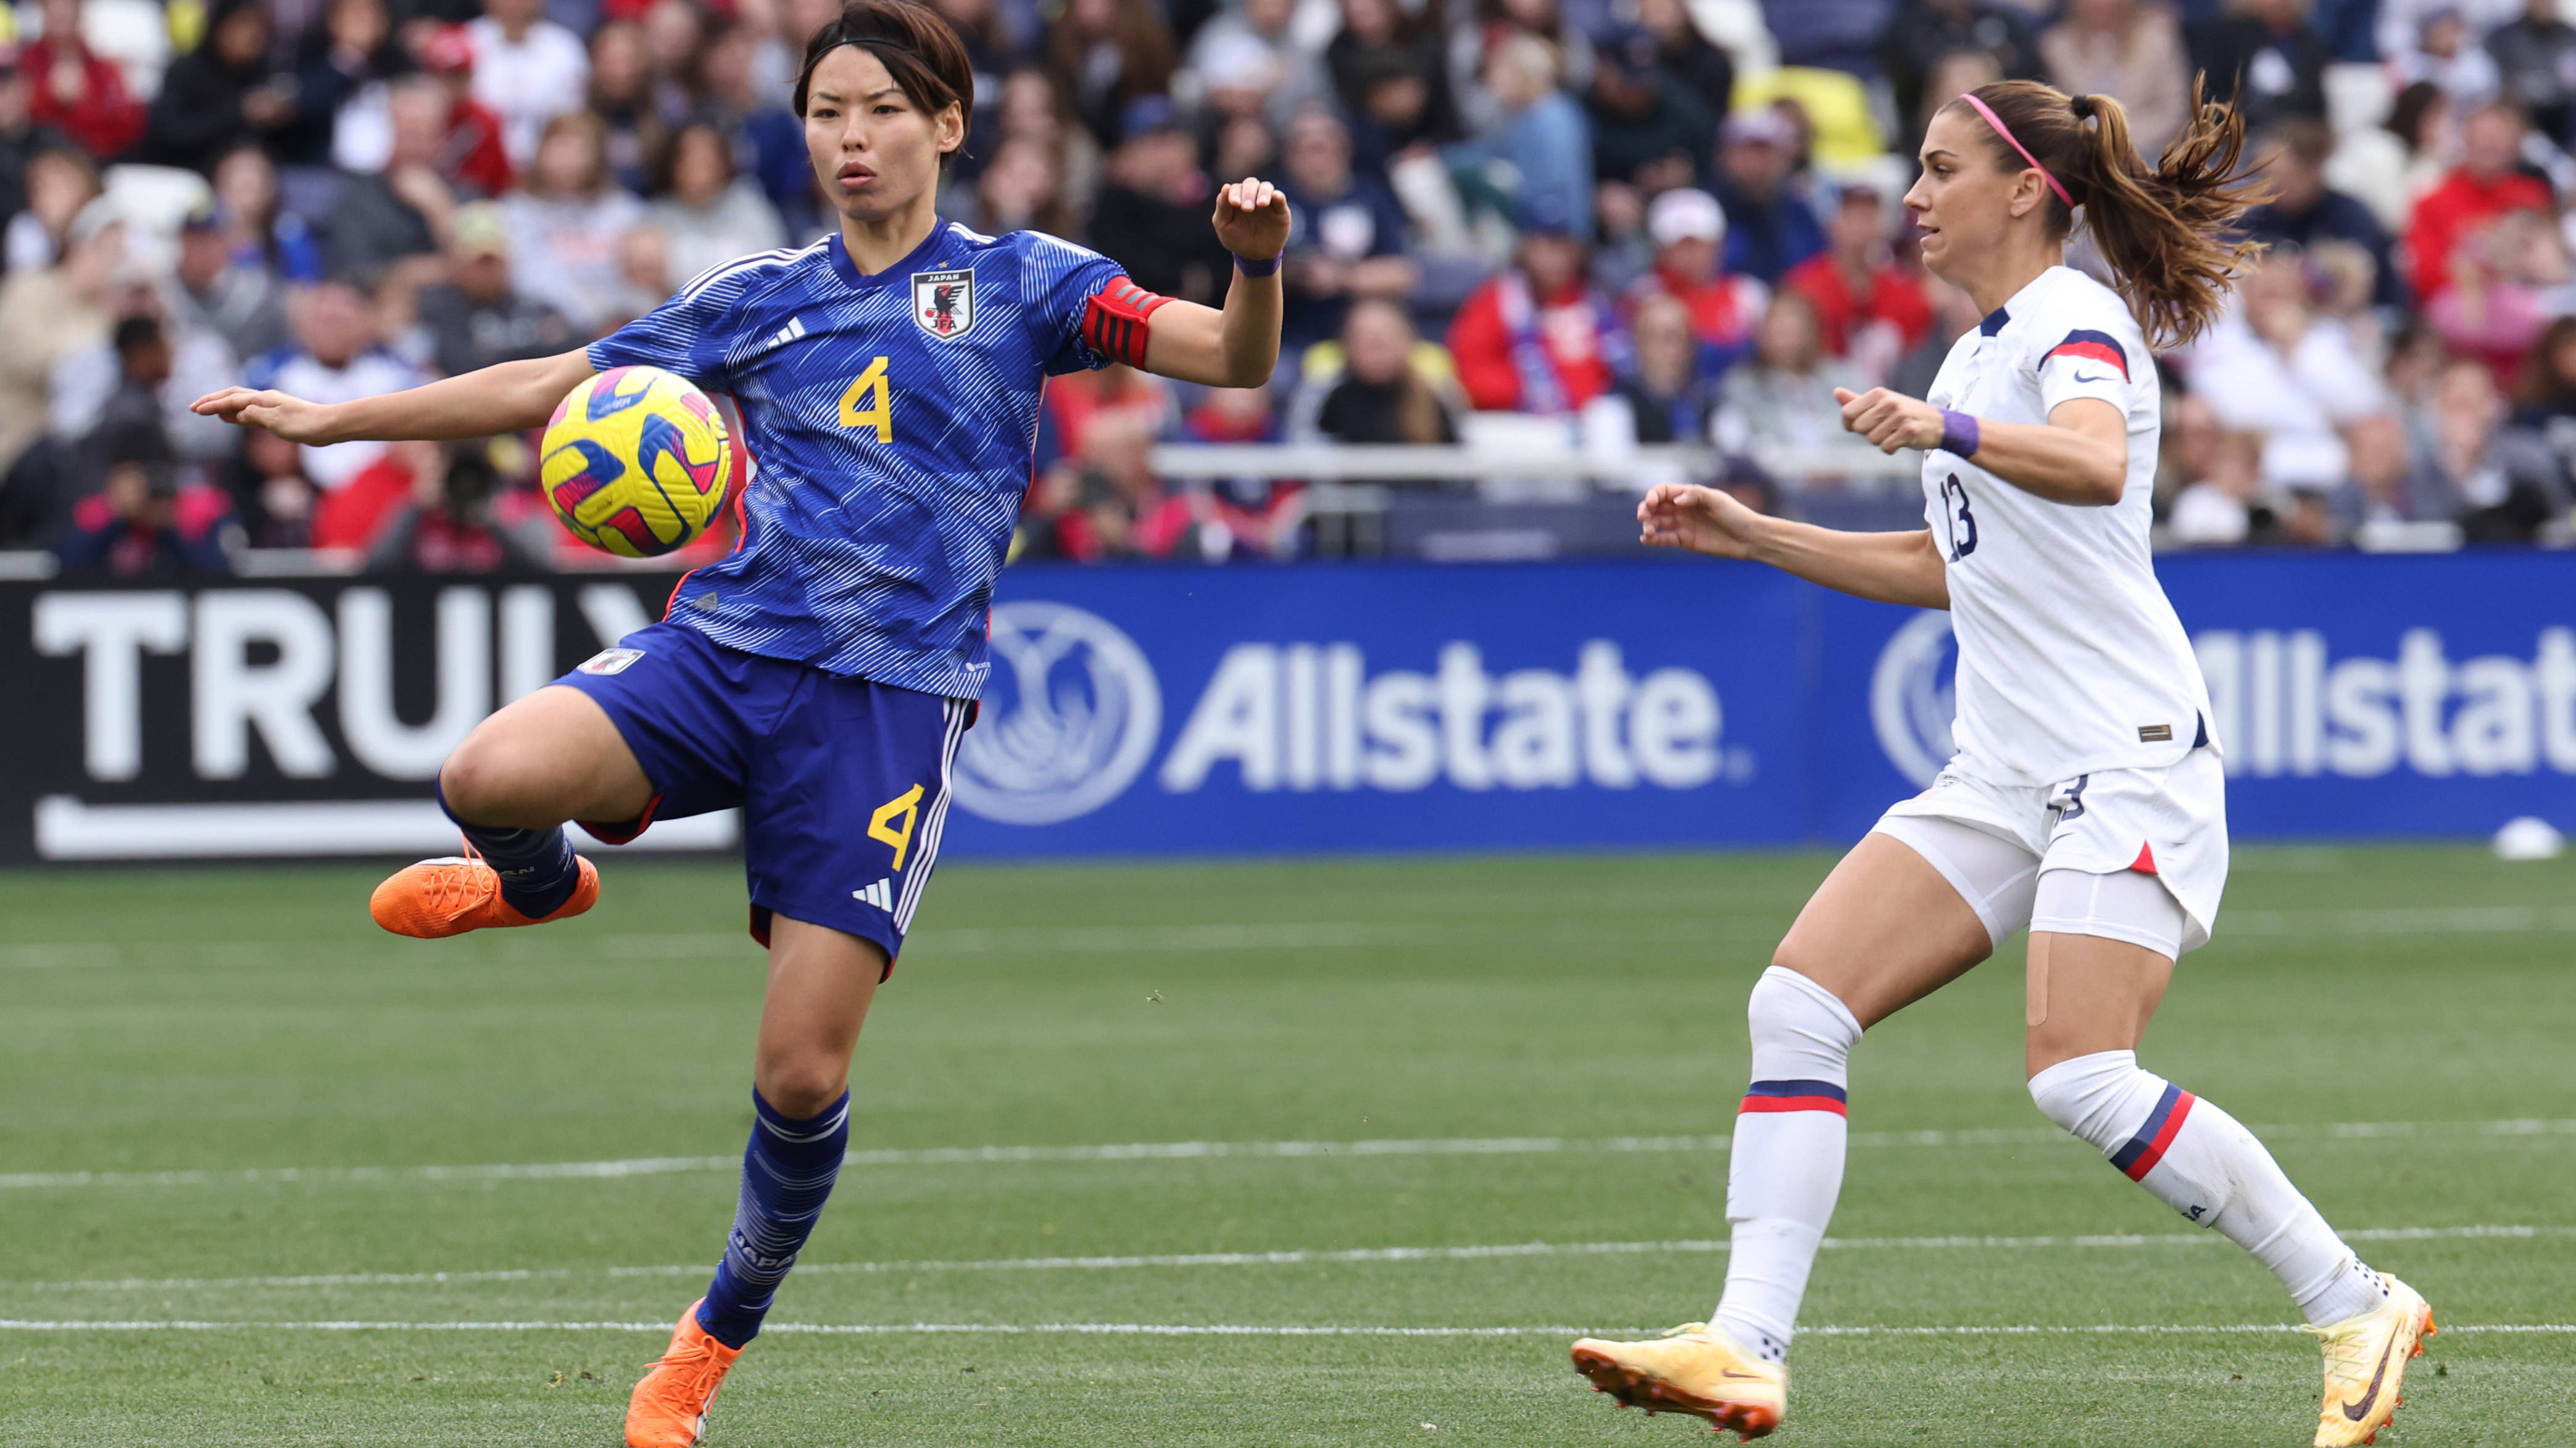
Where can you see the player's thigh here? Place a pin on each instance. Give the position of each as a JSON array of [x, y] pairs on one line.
[[843, 806], [821, 981], [545, 758], [2102, 951], [1886, 929]]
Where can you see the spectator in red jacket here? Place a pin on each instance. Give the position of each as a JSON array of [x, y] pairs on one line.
[[78, 93], [1537, 338], [1872, 310], [475, 156], [2485, 186], [1688, 229]]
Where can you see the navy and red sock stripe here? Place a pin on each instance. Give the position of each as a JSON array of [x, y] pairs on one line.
[[1795, 1096], [2140, 1155]]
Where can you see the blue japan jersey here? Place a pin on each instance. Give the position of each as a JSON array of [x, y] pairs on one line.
[[891, 420]]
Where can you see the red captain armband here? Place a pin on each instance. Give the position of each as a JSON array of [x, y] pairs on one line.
[[1113, 324]]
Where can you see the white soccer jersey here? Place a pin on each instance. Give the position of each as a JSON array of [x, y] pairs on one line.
[[2070, 658]]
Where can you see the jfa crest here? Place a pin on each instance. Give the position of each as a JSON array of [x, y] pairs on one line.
[[943, 302]]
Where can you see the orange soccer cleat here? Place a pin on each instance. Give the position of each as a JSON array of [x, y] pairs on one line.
[[1696, 1369], [669, 1409], [456, 893], [2366, 1359]]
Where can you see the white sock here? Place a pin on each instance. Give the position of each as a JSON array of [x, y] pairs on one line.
[[2204, 1164], [1786, 1166]]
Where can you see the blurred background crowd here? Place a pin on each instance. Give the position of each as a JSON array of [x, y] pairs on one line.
[[1577, 227]]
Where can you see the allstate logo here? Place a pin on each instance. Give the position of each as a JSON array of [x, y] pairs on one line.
[[1070, 716], [1912, 697]]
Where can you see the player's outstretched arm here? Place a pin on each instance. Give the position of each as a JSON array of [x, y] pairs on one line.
[[1884, 567], [505, 397], [2080, 455], [1238, 346]]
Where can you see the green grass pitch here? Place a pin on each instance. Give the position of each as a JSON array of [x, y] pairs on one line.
[[225, 1098]]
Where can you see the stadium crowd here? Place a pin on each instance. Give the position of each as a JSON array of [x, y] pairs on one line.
[[1651, 221]]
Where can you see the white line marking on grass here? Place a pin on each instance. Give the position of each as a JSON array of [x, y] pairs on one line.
[[1143, 939], [2426, 920], [1196, 1150], [57, 957], [1292, 1257], [1155, 1329], [313, 1279]]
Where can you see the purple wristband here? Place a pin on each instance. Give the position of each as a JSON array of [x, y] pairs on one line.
[[1958, 433], [1267, 266]]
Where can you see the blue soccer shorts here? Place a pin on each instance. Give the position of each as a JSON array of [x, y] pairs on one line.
[[842, 783]]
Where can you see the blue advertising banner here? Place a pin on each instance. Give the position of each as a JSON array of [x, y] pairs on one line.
[[2389, 696], [1151, 712], [1339, 708], [1367, 708]]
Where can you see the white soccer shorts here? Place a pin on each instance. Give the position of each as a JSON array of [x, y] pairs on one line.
[[2168, 823]]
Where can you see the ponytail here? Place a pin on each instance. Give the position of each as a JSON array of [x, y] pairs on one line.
[[2165, 230]]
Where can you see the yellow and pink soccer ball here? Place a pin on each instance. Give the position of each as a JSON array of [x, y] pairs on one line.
[[637, 462]]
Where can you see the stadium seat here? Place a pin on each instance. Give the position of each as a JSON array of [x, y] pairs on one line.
[[133, 33], [1837, 106], [2357, 96], [153, 200], [1737, 27]]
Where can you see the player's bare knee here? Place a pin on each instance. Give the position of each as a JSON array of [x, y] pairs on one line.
[[465, 783], [800, 1084], [495, 778]]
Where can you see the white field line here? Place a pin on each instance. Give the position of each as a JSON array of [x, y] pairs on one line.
[[1271, 935], [1287, 1258], [1195, 1150], [1152, 1329]]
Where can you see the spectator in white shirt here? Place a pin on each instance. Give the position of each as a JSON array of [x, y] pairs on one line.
[[568, 221], [2218, 510], [336, 358], [528, 69], [2449, 54], [2278, 368], [706, 214]]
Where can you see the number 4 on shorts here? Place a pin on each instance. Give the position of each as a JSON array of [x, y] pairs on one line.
[[892, 823]]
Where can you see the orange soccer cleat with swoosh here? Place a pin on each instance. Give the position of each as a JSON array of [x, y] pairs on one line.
[[456, 893], [2366, 1359], [669, 1409], [1695, 1369]]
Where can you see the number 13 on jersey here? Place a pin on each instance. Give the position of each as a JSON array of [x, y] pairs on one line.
[[1962, 523], [870, 402]]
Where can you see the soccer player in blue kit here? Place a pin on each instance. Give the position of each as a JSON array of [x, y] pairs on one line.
[[820, 676]]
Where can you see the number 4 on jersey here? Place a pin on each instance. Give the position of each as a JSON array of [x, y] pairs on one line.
[[869, 402], [1962, 523]]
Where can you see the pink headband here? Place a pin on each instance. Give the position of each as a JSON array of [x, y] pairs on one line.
[[1997, 122]]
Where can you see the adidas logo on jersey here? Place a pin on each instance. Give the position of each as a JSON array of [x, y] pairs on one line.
[[880, 894], [794, 329]]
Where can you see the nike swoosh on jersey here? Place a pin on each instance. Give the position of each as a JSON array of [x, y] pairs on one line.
[[2080, 377], [2358, 1411]]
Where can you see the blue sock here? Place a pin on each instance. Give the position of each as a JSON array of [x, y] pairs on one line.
[[787, 1172], [536, 866]]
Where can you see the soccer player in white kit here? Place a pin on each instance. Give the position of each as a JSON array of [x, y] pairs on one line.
[[2086, 799]]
